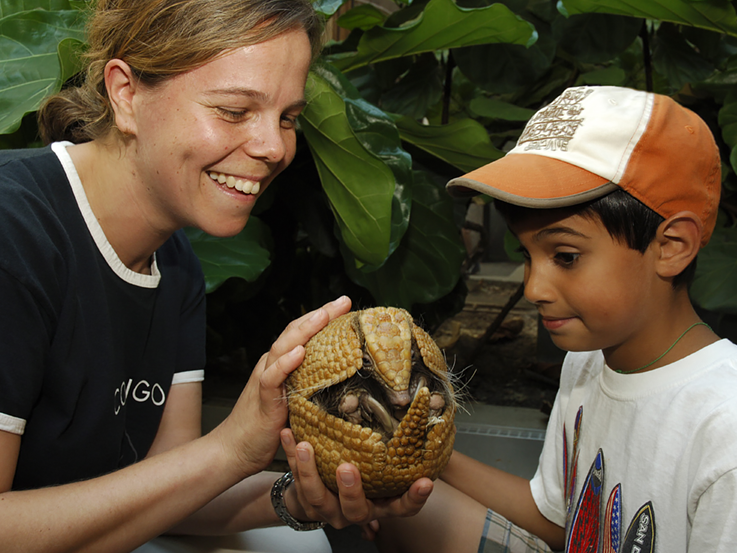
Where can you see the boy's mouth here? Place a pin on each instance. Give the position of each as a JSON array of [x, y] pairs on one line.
[[551, 323], [241, 185]]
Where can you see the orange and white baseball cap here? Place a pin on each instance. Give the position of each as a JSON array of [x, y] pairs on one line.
[[592, 140]]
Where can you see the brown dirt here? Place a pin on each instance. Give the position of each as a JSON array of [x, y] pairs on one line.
[[503, 369]]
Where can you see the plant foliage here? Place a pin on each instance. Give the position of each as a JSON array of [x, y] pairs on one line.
[[412, 97]]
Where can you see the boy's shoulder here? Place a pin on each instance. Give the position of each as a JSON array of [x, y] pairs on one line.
[[718, 358]]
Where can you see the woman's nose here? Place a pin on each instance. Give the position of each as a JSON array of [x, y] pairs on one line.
[[267, 142]]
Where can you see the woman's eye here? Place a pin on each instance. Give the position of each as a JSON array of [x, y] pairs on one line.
[[289, 122], [566, 259], [232, 114]]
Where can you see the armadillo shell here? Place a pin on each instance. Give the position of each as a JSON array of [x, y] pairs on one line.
[[418, 447]]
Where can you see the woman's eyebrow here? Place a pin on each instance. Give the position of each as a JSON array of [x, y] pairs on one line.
[[254, 94]]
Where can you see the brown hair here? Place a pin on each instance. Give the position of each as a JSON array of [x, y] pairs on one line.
[[160, 39]]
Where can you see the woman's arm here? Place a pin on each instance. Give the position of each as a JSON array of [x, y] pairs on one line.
[[124, 509], [118, 511], [181, 421]]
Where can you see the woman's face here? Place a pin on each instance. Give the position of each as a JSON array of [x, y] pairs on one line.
[[208, 142]]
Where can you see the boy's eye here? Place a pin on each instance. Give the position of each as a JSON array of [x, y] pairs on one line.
[[566, 259], [523, 251]]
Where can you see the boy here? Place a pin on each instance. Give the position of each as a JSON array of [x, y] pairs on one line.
[[611, 193]]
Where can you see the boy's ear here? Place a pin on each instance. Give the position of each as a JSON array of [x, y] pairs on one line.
[[121, 86], [678, 241]]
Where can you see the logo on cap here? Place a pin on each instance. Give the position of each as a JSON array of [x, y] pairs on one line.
[[553, 127]]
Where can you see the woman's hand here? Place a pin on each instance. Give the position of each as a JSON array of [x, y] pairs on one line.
[[350, 506], [251, 431]]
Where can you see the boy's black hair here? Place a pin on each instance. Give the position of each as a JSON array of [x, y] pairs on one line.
[[628, 221]]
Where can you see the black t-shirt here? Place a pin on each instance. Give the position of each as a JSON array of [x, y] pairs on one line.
[[88, 349]]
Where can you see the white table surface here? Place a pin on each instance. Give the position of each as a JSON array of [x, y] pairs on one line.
[[264, 540]]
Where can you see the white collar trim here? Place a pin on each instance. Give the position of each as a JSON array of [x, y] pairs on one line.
[[630, 386], [107, 251]]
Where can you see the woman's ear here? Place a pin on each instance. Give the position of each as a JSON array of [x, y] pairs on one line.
[[678, 241], [121, 88]]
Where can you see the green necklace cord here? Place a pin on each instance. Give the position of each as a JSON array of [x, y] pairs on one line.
[[666, 351]]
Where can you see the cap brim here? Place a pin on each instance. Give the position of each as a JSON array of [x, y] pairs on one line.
[[531, 180]]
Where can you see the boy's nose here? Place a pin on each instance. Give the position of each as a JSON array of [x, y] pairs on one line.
[[537, 287]]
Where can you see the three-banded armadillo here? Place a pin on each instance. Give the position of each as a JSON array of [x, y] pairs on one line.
[[374, 390]]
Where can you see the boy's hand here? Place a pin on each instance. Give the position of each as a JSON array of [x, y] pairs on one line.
[[350, 506]]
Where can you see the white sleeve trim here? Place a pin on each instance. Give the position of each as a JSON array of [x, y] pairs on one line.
[[14, 425], [188, 376]]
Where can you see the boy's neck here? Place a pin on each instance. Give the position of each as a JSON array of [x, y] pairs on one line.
[[668, 335]]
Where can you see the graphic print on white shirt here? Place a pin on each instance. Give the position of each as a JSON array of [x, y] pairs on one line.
[[588, 527]]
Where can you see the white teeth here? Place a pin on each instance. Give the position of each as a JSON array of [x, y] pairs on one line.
[[245, 186]]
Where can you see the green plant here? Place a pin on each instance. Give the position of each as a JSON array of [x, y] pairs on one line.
[[407, 101]]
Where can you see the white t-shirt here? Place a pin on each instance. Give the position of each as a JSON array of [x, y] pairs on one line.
[[649, 460]]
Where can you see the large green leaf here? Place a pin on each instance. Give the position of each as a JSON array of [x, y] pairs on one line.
[[359, 185], [378, 134], [417, 90], [505, 68], [728, 124], [496, 109], [242, 255], [441, 25], [30, 67], [427, 264], [714, 15], [715, 285], [677, 60], [464, 144], [595, 37], [9, 7], [363, 16], [327, 7]]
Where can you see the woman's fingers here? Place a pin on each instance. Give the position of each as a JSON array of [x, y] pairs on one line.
[[408, 504], [369, 531], [351, 505], [252, 429], [318, 501], [302, 329], [273, 376]]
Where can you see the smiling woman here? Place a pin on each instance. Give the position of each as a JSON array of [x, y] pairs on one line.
[[186, 114]]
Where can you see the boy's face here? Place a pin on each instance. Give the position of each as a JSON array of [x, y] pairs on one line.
[[591, 291]]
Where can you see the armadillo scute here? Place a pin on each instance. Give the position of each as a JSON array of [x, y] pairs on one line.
[[374, 390]]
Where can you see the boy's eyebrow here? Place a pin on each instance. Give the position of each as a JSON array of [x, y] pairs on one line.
[[562, 230]]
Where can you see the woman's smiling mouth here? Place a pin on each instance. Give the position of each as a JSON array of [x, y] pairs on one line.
[[242, 185]]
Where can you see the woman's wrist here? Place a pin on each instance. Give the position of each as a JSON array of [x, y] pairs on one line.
[[287, 506], [291, 500]]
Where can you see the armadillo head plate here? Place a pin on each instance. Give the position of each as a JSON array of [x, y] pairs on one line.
[[373, 390]]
